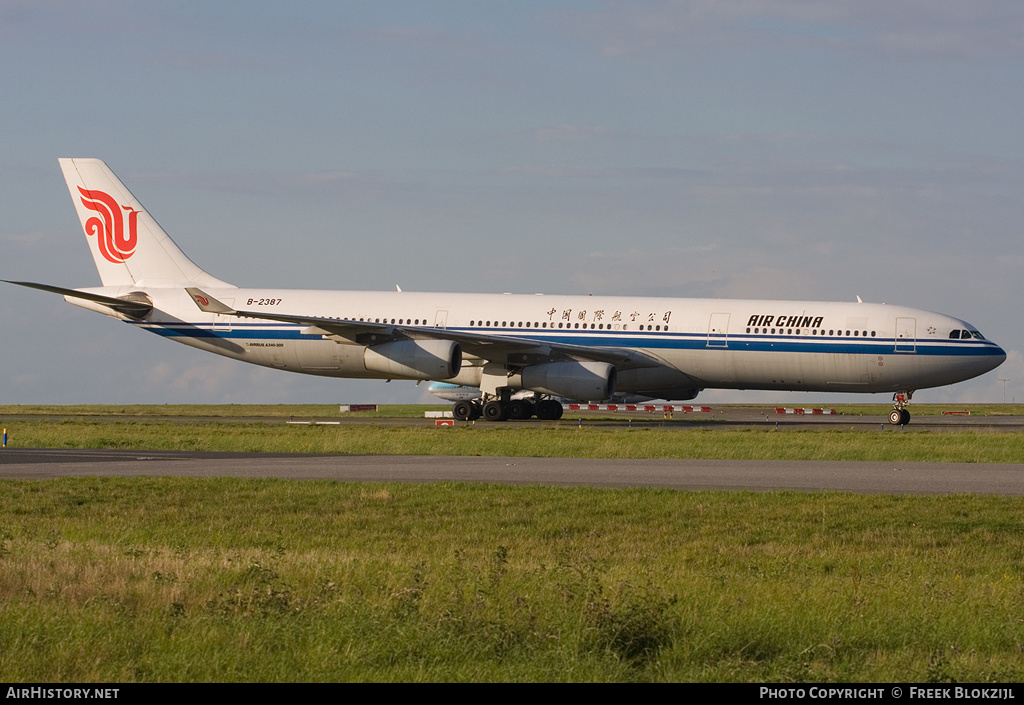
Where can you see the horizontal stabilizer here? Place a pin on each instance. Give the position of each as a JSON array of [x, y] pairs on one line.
[[137, 307]]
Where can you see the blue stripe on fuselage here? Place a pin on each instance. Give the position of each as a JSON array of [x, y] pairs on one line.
[[630, 339]]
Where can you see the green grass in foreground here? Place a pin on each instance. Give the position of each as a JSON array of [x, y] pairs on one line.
[[563, 441], [164, 579]]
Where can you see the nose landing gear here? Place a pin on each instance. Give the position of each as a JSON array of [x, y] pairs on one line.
[[899, 416]]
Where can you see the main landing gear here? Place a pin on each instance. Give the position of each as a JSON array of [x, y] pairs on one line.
[[899, 416], [504, 410]]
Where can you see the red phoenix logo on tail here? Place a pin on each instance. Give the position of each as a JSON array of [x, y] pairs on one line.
[[116, 245]]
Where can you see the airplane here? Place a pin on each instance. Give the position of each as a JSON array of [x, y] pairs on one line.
[[584, 348]]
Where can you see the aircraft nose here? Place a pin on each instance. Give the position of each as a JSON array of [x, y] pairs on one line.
[[997, 357], [1001, 355]]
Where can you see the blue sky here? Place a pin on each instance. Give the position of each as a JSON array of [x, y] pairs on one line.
[[714, 148]]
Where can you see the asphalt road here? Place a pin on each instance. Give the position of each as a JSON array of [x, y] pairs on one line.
[[861, 477]]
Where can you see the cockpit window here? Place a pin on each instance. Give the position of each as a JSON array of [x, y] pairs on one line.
[[965, 335]]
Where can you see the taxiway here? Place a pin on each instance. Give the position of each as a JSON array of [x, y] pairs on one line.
[[756, 475]]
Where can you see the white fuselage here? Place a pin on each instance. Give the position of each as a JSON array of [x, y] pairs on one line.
[[703, 343]]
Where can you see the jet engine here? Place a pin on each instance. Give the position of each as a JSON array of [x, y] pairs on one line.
[[416, 359], [583, 381]]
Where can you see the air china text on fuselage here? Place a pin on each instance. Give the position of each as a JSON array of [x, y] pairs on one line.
[[523, 353]]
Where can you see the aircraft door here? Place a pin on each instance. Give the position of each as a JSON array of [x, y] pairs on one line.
[[441, 319], [718, 330], [906, 335]]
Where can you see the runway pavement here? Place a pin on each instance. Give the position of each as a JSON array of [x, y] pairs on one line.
[[762, 475]]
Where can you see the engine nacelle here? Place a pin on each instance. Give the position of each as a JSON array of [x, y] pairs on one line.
[[582, 381], [415, 359]]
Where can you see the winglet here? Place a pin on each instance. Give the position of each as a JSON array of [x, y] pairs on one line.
[[207, 303]]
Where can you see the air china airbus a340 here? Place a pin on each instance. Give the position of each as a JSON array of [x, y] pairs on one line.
[[585, 348]]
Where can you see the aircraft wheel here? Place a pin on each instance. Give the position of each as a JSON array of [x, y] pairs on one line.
[[520, 409], [899, 417], [495, 411], [549, 410], [462, 411]]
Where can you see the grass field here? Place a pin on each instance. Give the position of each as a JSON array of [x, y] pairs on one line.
[[167, 579], [172, 579], [565, 440]]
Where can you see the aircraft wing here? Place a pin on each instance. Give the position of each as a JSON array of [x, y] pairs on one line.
[[496, 348]]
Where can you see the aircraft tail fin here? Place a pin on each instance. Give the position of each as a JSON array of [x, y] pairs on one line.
[[128, 246]]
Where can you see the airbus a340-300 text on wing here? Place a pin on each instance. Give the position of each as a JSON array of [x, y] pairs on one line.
[[585, 348]]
